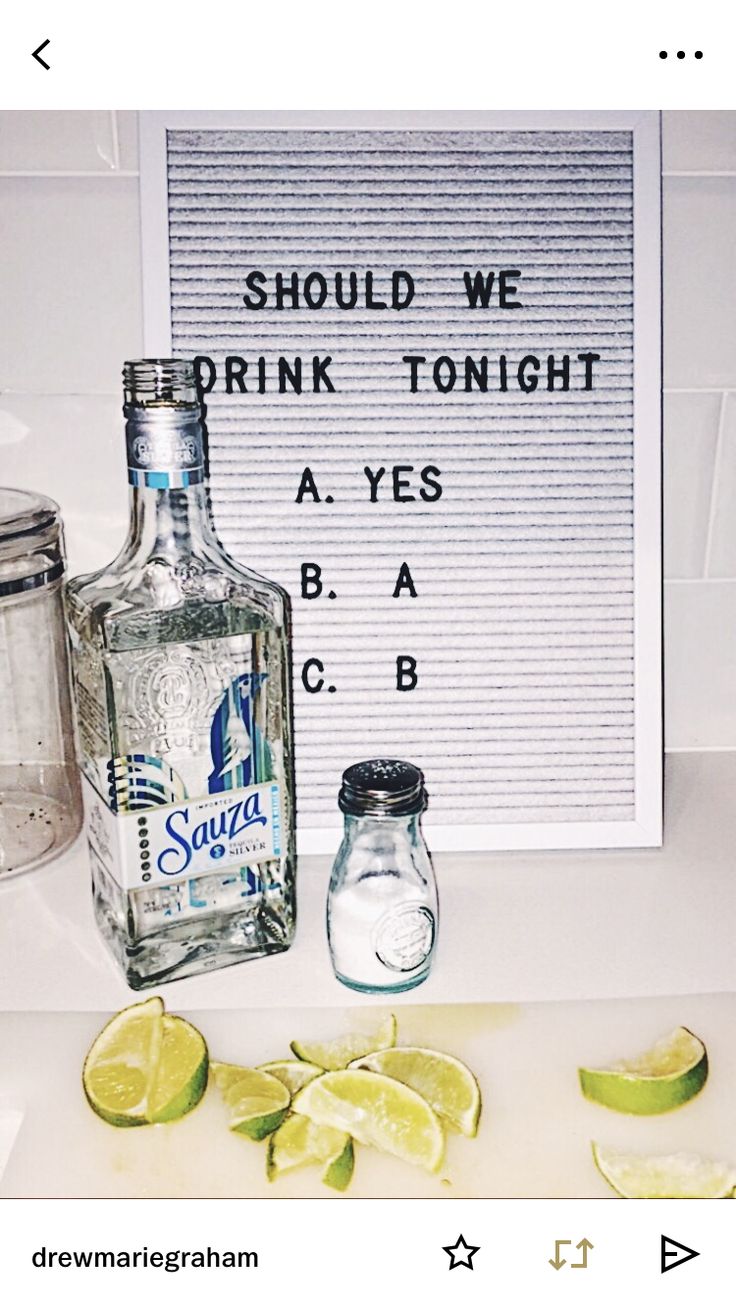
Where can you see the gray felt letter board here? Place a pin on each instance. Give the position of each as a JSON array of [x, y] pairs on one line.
[[430, 347]]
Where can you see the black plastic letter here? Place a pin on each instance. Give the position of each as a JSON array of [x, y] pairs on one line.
[[308, 484], [406, 673], [311, 581], [312, 687]]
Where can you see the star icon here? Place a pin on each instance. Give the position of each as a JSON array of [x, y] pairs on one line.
[[461, 1254]]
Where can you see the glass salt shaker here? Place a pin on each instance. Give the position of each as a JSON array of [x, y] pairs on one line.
[[40, 798], [382, 907]]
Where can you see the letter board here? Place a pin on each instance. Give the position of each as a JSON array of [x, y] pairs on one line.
[[434, 417]]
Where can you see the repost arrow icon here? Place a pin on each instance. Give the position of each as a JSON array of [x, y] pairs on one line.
[[558, 1261], [37, 54], [585, 1245]]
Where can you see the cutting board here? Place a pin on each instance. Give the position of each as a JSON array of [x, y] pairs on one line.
[[535, 1130]]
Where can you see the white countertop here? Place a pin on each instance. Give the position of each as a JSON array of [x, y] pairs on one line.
[[535, 1130], [514, 927]]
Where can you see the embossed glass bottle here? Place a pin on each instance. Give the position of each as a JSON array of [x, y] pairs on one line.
[[181, 667], [382, 910]]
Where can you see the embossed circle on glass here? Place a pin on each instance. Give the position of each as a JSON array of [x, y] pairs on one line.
[[404, 937], [40, 802]]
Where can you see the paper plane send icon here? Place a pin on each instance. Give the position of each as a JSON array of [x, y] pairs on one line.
[[675, 1253]]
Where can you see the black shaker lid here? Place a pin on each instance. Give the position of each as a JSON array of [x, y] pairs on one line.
[[387, 788]]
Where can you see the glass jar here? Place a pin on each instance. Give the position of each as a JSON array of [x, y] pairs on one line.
[[40, 797], [382, 908]]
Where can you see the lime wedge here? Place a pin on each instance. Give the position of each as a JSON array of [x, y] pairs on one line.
[[665, 1177], [334, 1055], [299, 1142], [294, 1073], [181, 1077], [666, 1076], [257, 1100], [339, 1173], [375, 1110], [145, 1067], [443, 1081], [121, 1064]]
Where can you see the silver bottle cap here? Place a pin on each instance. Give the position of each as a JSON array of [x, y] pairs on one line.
[[383, 788], [159, 382], [163, 430]]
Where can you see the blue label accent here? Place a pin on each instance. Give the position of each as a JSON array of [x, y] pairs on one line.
[[252, 882], [138, 781], [276, 820], [173, 479], [235, 744]]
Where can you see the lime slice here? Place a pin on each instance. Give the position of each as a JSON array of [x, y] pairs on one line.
[[375, 1110], [258, 1101], [121, 1065], [299, 1142], [334, 1055], [294, 1073], [145, 1067], [666, 1076], [665, 1177], [181, 1077], [443, 1081]]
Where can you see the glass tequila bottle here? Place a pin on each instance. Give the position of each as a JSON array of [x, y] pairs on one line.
[[181, 663]]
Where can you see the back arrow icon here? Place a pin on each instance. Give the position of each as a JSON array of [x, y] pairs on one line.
[[37, 55]]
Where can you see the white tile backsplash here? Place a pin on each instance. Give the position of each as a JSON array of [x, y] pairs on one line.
[[71, 312], [700, 664], [699, 139], [722, 561], [127, 130], [73, 449], [70, 278], [700, 281], [690, 437], [39, 141]]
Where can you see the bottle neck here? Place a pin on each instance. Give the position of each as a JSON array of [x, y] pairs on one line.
[[169, 503], [169, 523], [369, 826], [373, 845]]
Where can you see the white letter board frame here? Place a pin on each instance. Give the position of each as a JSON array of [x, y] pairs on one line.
[[482, 824]]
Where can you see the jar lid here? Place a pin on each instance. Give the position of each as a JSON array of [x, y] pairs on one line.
[[388, 788], [31, 544]]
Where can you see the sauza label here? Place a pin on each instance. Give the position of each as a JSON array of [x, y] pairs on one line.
[[188, 838]]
